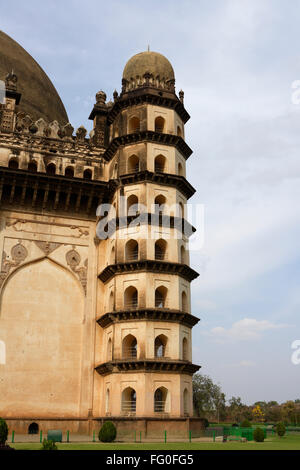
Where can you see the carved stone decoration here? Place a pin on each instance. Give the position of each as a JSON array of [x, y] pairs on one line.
[[23, 122], [41, 127], [81, 133], [54, 129], [47, 247], [73, 259], [11, 80], [18, 253], [68, 130]]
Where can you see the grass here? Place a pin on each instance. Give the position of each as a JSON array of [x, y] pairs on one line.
[[291, 442]]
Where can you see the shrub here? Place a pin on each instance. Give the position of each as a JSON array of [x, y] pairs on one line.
[[205, 422], [3, 431], [258, 435], [245, 424], [107, 432], [280, 429], [49, 445]]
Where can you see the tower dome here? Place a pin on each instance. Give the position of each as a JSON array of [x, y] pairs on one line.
[[149, 62], [39, 97]]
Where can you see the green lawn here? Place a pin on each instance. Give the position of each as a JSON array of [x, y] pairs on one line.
[[291, 442]]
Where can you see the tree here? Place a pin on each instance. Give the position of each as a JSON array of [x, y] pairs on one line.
[[237, 409], [289, 411], [3, 432], [257, 412], [280, 429], [208, 397]]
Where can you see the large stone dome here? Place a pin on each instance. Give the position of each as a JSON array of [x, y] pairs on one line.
[[39, 97], [151, 62]]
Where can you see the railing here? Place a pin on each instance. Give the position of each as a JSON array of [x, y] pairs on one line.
[[128, 406], [161, 256], [129, 353], [159, 406], [134, 256], [159, 168], [134, 168], [161, 304], [131, 304]]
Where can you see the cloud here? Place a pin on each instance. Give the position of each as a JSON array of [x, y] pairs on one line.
[[244, 330]]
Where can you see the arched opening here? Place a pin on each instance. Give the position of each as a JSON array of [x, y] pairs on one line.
[[160, 249], [107, 404], [129, 347], [112, 256], [185, 349], [180, 169], [13, 164], [131, 250], [160, 346], [186, 402], [87, 174], [111, 302], [32, 166], [179, 131], [69, 172], [131, 297], [182, 255], [133, 164], [159, 163], [132, 205], [51, 169], [134, 125], [159, 124], [128, 404], [161, 400], [109, 350], [184, 302], [160, 202], [161, 297], [33, 428]]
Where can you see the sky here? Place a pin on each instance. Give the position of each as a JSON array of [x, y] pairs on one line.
[[238, 62]]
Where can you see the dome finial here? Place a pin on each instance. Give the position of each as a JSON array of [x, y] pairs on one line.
[[148, 47]]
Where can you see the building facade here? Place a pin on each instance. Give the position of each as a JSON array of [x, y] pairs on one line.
[[95, 319]]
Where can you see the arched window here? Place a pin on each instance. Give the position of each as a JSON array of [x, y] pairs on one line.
[[33, 428], [160, 249], [109, 350], [129, 347], [32, 166], [180, 169], [182, 255], [51, 169], [133, 164], [161, 297], [184, 302], [179, 131], [87, 174], [185, 349], [13, 164], [134, 125], [161, 400], [132, 205], [186, 402], [159, 163], [160, 346], [160, 202], [69, 172], [159, 124], [128, 404], [131, 297], [131, 250], [107, 401], [111, 301]]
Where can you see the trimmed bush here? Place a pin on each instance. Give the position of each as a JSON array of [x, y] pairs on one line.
[[258, 435], [107, 432], [49, 445], [3, 431], [245, 424], [280, 429]]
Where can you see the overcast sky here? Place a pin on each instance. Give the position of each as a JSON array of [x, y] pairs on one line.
[[236, 61]]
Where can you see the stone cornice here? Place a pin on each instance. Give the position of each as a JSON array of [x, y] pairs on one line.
[[148, 314], [147, 365], [167, 179], [152, 266], [147, 136], [147, 95]]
